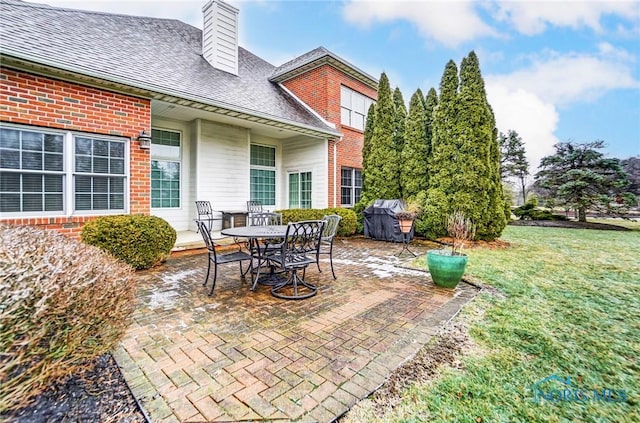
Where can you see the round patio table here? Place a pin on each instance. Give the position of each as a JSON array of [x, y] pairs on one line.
[[254, 234]]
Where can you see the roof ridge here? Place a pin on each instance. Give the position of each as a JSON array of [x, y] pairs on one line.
[[21, 3], [316, 57]]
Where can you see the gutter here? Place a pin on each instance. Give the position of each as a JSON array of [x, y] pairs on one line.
[[76, 73]]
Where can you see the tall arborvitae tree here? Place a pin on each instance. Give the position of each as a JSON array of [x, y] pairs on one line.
[[414, 164], [382, 178], [366, 145], [466, 157], [442, 161], [430, 105], [400, 121], [484, 200]]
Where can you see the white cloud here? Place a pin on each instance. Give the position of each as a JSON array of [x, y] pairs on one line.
[[451, 23], [563, 79], [533, 17], [433, 19], [524, 112], [527, 99]]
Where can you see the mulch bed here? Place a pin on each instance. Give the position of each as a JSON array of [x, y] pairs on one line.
[[573, 224], [98, 394]]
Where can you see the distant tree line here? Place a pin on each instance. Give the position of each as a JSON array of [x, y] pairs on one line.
[[579, 177]]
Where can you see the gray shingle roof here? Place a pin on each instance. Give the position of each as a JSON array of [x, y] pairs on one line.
[[317, 57], [163, 55]]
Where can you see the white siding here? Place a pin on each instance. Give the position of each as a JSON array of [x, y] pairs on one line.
[[306, 155], [220, 36], [215, 167], [223, 166]]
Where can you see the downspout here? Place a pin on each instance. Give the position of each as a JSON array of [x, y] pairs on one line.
[[335, 171]]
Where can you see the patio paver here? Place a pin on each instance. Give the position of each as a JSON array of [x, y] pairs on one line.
[[247, 356]]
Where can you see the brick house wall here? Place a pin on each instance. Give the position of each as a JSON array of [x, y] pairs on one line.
[[319, 88], [42, 101]]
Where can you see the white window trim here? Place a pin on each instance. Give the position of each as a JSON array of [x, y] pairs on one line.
[[368, 101], [352, 187], [168, 159], [298, 172], [68, 153], [273, 169]]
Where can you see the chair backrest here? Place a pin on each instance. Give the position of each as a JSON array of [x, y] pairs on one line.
[[331, 225], [203, 228], [205, 213], [265, 218], [303, 237], [204, 209], [254, 206]]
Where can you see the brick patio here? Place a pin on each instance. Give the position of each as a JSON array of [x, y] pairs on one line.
[[246, 356]]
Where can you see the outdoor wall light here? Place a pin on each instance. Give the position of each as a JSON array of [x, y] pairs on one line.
[[145, 140]]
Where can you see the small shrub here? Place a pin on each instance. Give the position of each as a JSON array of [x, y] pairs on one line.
[[141, 241], [347, 226], [461, 229], [62, 303], [529, 211]]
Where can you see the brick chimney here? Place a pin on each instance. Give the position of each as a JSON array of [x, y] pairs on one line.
[[220, 36]]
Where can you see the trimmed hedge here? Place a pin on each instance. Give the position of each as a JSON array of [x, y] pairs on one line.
[[529, 211], [347, 225], [62, 303], [139, 240]]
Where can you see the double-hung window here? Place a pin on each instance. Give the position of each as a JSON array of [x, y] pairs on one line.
[[263, 174], [300, 190], [353, 108], [99, 176], [165, 168], [32, 171], [350, 186], [48, 172]]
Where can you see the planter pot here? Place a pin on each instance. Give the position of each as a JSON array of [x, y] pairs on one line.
[[405, 226], [446, 270]]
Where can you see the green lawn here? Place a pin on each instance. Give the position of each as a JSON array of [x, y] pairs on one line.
[[571, 309]]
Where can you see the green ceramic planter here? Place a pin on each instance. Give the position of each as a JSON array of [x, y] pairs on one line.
[[446, 270]]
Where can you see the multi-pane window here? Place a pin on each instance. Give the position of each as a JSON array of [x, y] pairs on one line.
[[353, 108], [99, 177], [300, 190], [263, 174], [350, 186], [165, 168], [32, 172], [37, 178]]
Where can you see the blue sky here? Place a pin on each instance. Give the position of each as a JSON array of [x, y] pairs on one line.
[[554, 70]]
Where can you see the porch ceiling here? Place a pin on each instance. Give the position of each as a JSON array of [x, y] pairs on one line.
[[258, 126]]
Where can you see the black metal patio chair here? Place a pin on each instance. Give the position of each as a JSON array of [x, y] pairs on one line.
[[261, 249], [326, 241], [254, 206], [206, 213], [265, 218], [298, 250], [216, 258]]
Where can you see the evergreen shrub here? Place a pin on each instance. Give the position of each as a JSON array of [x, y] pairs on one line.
[[62, 303], [347, 226], [141, 241], [529, 211]]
